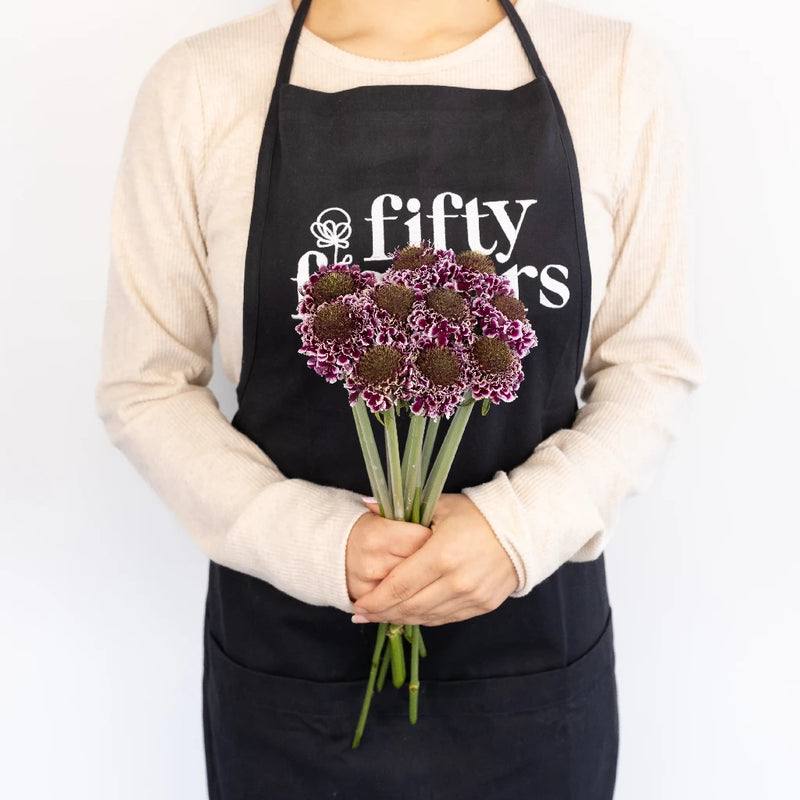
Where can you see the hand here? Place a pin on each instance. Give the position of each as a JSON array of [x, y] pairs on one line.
[[375, 546], [461, 571]]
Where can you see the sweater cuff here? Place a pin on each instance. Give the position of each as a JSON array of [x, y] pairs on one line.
[[306, 560], [547, 525]]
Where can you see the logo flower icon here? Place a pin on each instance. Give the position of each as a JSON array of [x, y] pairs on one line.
[[332, 228]]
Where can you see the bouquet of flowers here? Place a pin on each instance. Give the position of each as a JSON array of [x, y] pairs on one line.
[[432, 336]]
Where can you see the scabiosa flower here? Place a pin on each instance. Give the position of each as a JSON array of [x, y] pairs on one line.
[[377, 375], [413, 257], [437, 380], [441, 317], [330, 282], [496, 370], [395, 299], [414, 266], [448, 304], [504, 317], [336, 334], [473, 261], [473, 274]]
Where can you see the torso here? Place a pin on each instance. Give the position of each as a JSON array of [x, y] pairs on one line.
[[336, 172]]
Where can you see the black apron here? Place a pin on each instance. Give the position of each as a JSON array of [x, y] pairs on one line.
[[520, 702]]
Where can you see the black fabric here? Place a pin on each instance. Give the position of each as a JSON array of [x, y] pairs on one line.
[[519, 702]]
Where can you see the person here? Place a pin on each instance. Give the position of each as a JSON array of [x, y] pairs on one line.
[[305, 134]]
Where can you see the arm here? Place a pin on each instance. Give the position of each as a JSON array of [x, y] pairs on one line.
[[560, 504], [152, 395]]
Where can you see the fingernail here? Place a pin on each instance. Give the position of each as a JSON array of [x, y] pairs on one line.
[[358, 618], [369, 500]]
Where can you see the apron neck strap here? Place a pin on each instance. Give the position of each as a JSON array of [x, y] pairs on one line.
[[524, 39], [290, 46]]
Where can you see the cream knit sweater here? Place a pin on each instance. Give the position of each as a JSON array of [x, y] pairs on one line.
[[181, 215]]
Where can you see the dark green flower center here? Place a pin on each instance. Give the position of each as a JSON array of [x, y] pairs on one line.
[[333, 321], [475, 261], [451, 305], [509, 306], [492, 355], [397, 300], [413, 257], [439, 365], [332, 285], [379, 364]]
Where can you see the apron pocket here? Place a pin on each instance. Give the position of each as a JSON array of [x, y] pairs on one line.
[[593, 735], [549, 734]]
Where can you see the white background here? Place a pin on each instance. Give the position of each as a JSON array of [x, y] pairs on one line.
[[101, 592]]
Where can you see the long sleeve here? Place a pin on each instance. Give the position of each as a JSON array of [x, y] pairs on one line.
[[160, 325], [560, 504]]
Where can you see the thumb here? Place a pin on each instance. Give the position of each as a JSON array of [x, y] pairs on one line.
[[372, 505]]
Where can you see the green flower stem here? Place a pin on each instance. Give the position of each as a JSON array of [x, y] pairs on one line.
[[422, 650], [412, 456], [393, 466], [415, 505], [372, 460], [380, 640], [413, 684], [427, 448], [444, 460], [395, 636], [387, 652], [406, 456]]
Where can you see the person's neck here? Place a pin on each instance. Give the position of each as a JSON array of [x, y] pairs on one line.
[[401, 31]]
